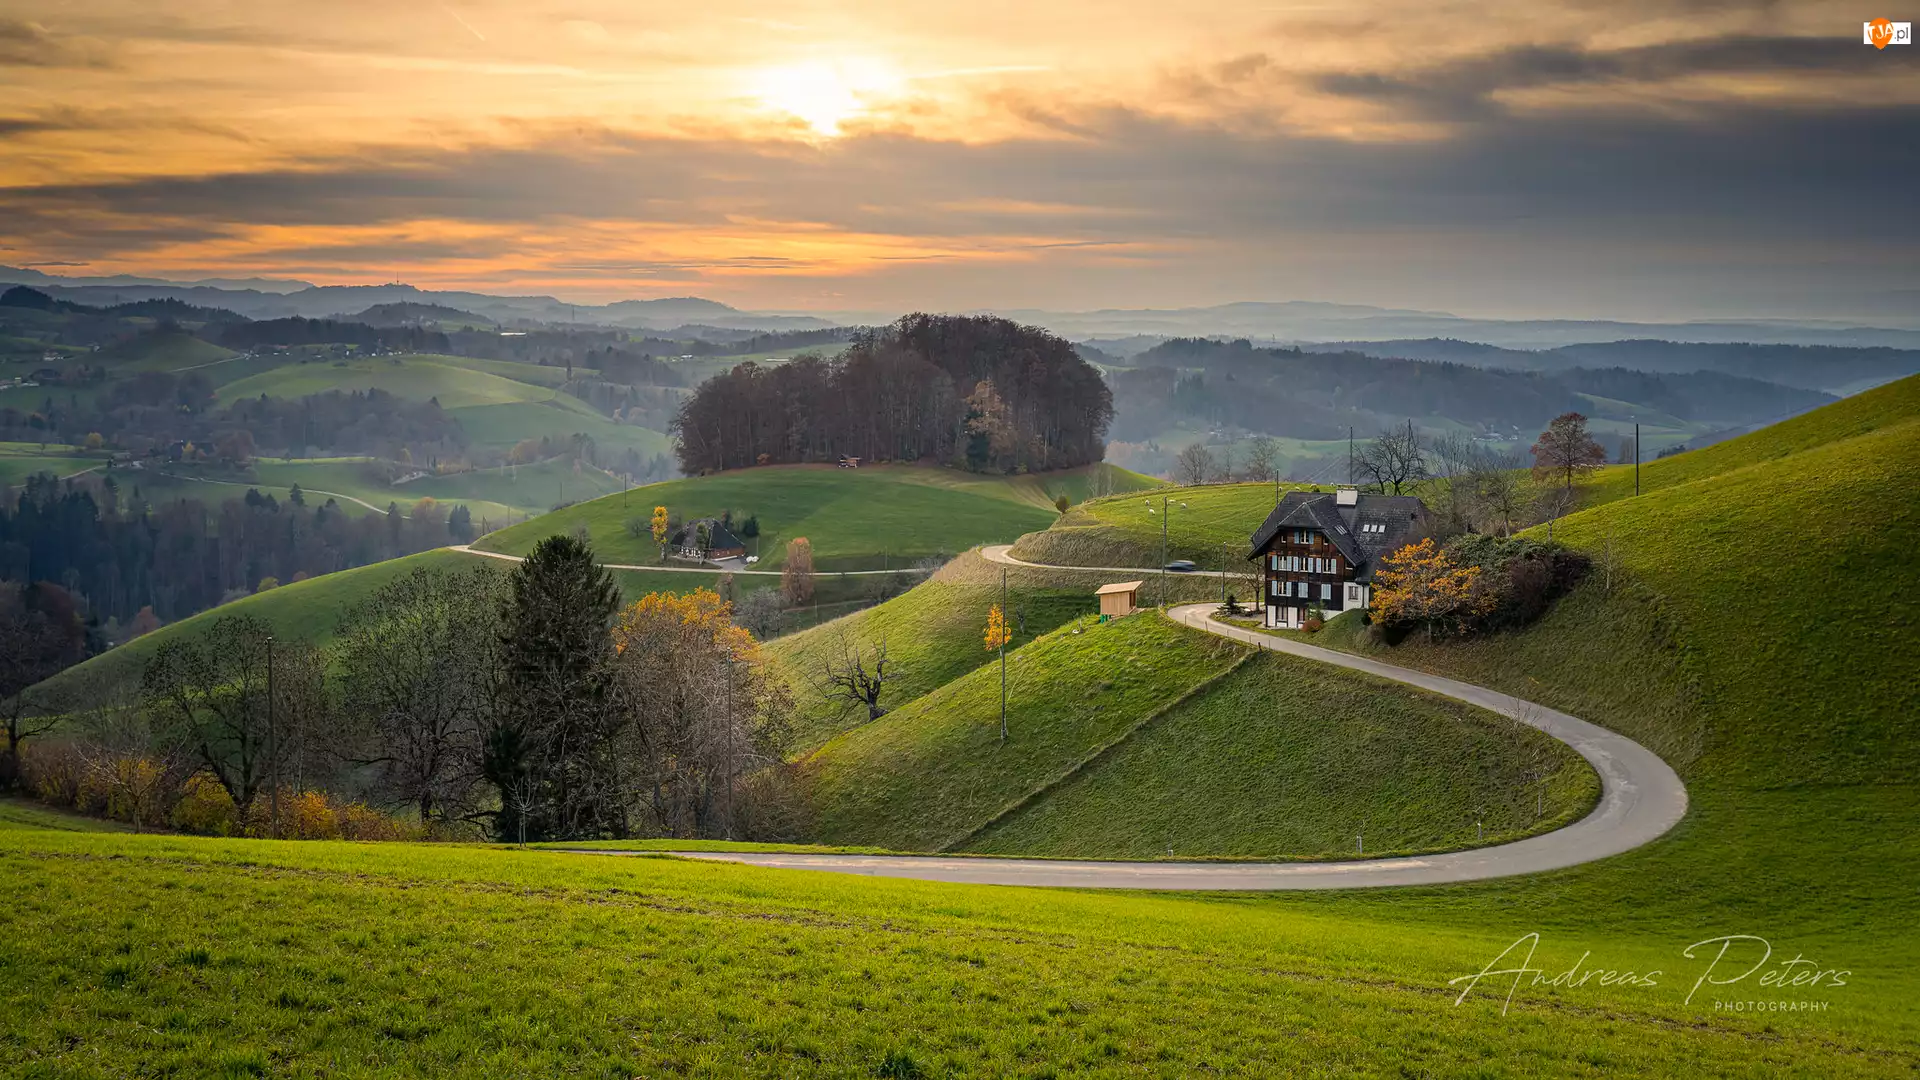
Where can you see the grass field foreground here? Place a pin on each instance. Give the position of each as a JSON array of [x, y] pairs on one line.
[[241, 958]]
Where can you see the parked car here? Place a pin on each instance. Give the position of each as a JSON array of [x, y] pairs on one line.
[[1179, 566]]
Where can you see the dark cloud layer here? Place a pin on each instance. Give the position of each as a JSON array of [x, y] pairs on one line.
[[1835, 174]]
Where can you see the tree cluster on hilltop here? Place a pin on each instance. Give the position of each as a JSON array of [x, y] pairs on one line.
[[979, 392], [298, 331]]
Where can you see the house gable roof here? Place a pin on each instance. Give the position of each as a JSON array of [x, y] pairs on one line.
[[719, 537], [1350, 528]]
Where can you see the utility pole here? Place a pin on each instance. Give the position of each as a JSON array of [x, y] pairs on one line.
[[1223, 575], [1163, 551], [1003, 655], [273, 746], [1636, 458], [730, 730]]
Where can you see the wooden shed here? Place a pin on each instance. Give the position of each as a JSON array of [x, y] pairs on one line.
[[1119, 598]]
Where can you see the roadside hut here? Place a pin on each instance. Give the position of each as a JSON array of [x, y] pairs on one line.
[[1119, 598]]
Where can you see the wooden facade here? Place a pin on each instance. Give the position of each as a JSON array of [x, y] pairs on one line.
[[1317, 550]]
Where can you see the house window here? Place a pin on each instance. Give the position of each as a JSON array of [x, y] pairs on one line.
[[1326, 592], [1353, 593]]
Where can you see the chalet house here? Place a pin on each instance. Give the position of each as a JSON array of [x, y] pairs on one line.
[[706, 539], [1319, 550]]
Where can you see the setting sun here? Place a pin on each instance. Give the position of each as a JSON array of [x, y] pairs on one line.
[[826, 94]]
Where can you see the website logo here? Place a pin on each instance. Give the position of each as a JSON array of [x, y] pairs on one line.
[[1881, 33]]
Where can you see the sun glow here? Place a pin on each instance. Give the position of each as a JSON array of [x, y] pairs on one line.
[[826, 94]]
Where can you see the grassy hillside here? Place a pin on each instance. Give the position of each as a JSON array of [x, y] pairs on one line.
[[882, 515], [1892, 404], [932, 634], [304, 610], [498, 403], [18, 464], [926, 775], [454, 381], [1286, 758], [311, 610], [1758, 635], [240, 958], [495, 495], [1739, 641], [1120, 531]]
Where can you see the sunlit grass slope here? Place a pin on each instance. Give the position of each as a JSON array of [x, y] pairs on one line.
[[1125, 530], [494, 496], [867, 518], [1759, 635], [1287, 758], [497, 403], [1892, 404], [239, 958], [933, 634], [925, 776], [307, 610]]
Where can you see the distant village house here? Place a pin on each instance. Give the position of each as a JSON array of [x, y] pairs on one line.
[[705, 540]]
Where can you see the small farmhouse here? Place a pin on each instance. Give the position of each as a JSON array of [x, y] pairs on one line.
[[1318, 550], [1119, 598], [705, 539]]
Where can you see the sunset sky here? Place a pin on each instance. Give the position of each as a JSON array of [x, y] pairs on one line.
[[1644, 160]]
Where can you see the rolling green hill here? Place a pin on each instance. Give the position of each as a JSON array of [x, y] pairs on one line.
[[497, 402], [869, 518], [307, 610], [21, 460], [1757, 634], [1125, 530], [1211, 777], [925, 776], [1892, 404], [1286, 758]]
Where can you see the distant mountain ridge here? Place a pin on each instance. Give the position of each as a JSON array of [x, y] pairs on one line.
[[1834, 369], [1285, 322]]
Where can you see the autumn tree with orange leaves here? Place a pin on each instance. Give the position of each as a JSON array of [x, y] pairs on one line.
[[704, 715], [1424, 585]]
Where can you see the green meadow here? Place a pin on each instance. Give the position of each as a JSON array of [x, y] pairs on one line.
[[1749, 618], [874, 517]]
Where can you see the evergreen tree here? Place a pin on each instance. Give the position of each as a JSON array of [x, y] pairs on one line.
[[460, 523], [551, 753]]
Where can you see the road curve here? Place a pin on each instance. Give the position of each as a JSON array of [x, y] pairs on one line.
[[710, 569], [1640, 800]]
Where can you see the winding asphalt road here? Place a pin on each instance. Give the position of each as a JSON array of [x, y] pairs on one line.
[[1640, 800], [708, 569]]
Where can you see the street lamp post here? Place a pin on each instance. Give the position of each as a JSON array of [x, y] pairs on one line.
[[1166, 505]]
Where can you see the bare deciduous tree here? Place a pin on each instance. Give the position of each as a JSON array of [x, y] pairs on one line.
[[418, 663], [210, 698], [1394, 461], [39, 635], [1193, 466], [1263, 460], [1503, 491], [856, 677], [761, 612]]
